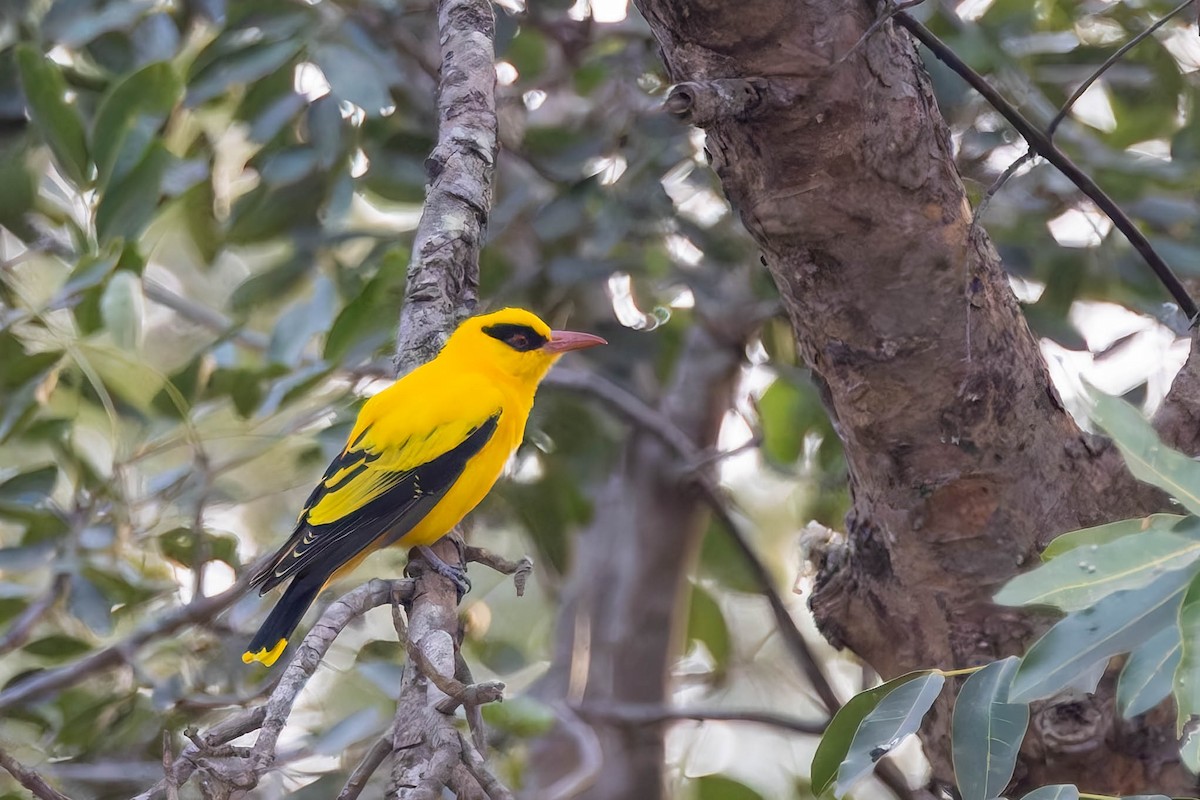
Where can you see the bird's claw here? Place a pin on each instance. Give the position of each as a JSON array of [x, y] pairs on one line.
[[456, 575]]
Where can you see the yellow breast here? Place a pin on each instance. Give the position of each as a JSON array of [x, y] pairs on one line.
[[477, 480]]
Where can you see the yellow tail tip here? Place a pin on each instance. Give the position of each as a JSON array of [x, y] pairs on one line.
[[264, 656]]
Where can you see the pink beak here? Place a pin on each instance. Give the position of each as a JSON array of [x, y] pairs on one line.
[[562, 341]]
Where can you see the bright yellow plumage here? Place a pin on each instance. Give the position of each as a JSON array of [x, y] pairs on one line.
[[422, 454]]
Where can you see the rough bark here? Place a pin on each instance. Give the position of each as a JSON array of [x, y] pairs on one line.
[[443, 276], [618, 625], [962, 461]]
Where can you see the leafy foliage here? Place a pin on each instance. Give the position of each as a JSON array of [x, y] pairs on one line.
[[1126, 587]]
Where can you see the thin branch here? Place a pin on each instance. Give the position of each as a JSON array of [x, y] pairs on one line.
[[650, 419], [479, 770], [18, 632], [308, 657], [591, 757], [30, 779], [473, 713], [201, 610], [1045, 147], [243, 767], [370, 762], [1063, 111], [520, 569], [168, 762], [208, 742], [1108, 62], [457, 693], [204, 316], [644, 714]]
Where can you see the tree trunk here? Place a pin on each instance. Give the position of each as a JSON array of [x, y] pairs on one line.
[[962, 461]]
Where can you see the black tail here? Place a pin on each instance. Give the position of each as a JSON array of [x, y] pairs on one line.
[[272, 637]]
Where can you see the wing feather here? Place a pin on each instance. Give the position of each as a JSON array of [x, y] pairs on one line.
[[363, 495]]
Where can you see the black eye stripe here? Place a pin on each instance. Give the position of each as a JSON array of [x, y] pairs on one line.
[[518, 337]]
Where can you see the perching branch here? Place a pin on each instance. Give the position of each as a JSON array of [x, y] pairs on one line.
[[443, 276], [29, 779], [443, 279], [241, 767], [1045, 147], [520, 569]]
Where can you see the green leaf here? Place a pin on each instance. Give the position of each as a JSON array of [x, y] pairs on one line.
[[269, 210], [28, 488], [1186, 686], [360, 328], [271, 284], [1116, 624], [1103, 534], [1149, 672], [301, 323], [179, 545], [126, 376], [127, 206], [57, 647], [1061, 791], [718, 787], [838, 737], [987, 731], [521, 716], [76, 23], [527, 52], [90, 272], [20, 185], [129, 116], [778, 408], [11, 606], [88, 604], [1148, 458], [123, 306], [247, 65], [1097, 571], [706, 622], [122, 586], [721, 561], [353, 77], [56, 119], [896, 717]]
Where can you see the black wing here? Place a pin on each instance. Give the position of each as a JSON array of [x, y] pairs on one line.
[[408, 499]]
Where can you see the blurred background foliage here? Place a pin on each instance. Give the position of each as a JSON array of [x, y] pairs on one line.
[[206, 210]]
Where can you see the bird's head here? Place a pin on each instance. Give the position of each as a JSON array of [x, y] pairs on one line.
[[515, 342]]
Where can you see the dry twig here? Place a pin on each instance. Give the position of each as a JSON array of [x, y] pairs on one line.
[[29, 779]]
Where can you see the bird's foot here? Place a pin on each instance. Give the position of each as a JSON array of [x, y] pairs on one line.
[[456, 575]]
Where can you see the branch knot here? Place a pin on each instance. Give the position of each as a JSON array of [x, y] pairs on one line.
[[702, 103]]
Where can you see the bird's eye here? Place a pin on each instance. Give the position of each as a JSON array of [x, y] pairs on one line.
[[519, 341]]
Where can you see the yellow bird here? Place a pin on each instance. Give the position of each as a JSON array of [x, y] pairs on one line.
[[422, 454]]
